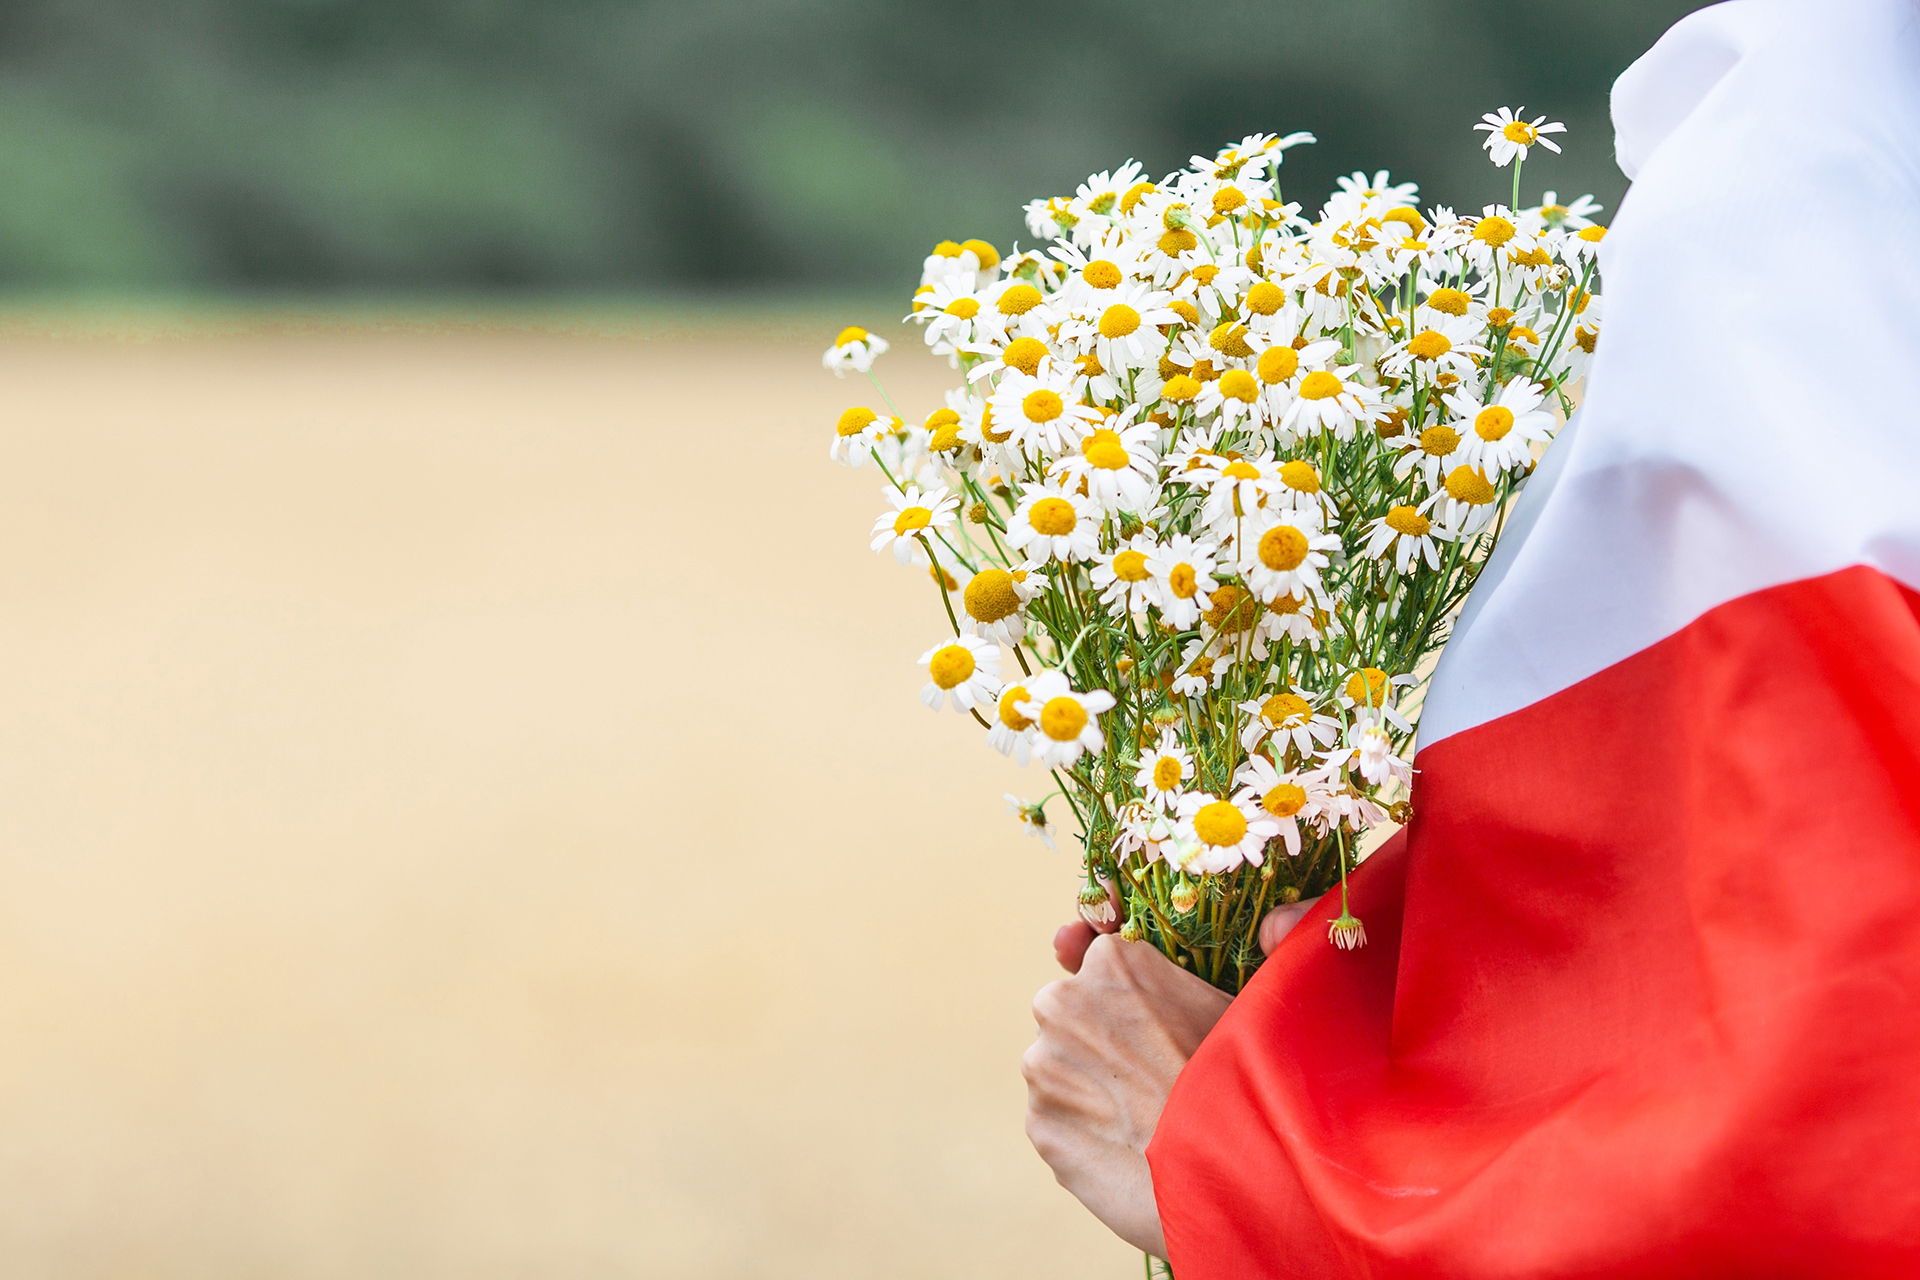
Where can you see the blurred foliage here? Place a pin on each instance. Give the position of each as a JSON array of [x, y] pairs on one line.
[[564, 145]]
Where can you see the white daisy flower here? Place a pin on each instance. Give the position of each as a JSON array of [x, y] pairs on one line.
[[1509, 135], [1501, 436], [1229, 832], [1068, 721], [1234, 396], [854, 349], [1291, 717], [1054, 523], [1237, 490], [1032, 816], [974, 262], [1409, 533], [1295, 618], [954, 315], [1041, 411], [1122, 578], [855, 435], [1164, 771], [1142, 830], [1283, 553], [1468, 500], [1011, 733], [915, 514], [1332, 803], [1202, 668], [1118, 463], [993, 600], [1371, 754], [1182, 572], [965, 669], [1371, 689], [1571, 216], [1279, 797], [1126, 325], [1444, 345], [1330, 400]]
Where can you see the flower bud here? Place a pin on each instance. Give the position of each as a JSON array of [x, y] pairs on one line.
[[1401, 811], [1290, 894], [1131, 931], [1184, 896], [977, 513]]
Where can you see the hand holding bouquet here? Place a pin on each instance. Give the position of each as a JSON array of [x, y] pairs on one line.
[[1217, 479]]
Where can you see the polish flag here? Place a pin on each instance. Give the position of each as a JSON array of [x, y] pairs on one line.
[[1642, 997]]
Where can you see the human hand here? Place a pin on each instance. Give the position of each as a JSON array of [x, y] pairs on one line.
[[1070, 941], [1113, 1039]]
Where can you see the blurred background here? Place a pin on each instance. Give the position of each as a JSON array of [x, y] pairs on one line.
[[464, 807]]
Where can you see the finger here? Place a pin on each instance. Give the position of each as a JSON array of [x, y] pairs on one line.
[[1070, 943], [1280, 922], [1110, 918]]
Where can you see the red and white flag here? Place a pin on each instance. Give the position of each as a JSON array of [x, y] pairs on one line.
[[1642, 997]]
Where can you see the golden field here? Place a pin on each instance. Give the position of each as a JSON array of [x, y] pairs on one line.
[[467, 814]]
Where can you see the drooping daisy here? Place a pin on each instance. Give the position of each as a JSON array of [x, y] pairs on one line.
[[994, 598], [915, 515], [1332, 803], [1165, 770], [854, 349], [1409, 533], [1291, 717], [1012, 733], [1068, 721], [1283, 554], [1122, 578], [1469, 498], [854, 436], [1278, 796], [1509, 135], [965, 669], [1501, 436], [1182, 572], [1204, 666], [1234, 396], [1371, 751], [1055, 523], [1032, 816], [1143, 830], [1372, 690], [1293, 618], [1237, 491], [1228, 831]]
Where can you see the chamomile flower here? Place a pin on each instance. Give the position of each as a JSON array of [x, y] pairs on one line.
[[1229, 831], [1501, 436], [1370, 752], [1369, 689], [1509, 135], [1182, 572], [1124, 322], [1164, 771], [1237, 490], [965, 669], [1409, 534], [916, 515], [1068, 721], [994, 598], [1117, 463], [856, 434], [1122, 578], [1234, 396], [1144, 830], [1469, 497], [1287, 719], [854, 349], [1204, 666], [1054, 523], [1573, 216], [1031, 816], [954, 315], [1283, 553], [1432, 453], [1042, 411], [1278, 797], [1444, 345], [1332, 401], [1011, 733]]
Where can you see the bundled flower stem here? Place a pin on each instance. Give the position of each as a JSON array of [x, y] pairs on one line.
[[1217, 479]]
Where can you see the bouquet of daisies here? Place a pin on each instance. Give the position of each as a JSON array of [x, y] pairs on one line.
[[1215, 481]]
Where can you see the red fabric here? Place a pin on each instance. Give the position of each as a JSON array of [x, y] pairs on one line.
[[1642, 996]]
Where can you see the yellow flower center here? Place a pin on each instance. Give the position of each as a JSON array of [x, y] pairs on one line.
[[1135, 193], [1167, 772], [912, 520], [1178, 241], [1240, 470], [1282, 548], [1238, 384], [1130, 566], [1230, 339], [940, 418], [1227, 199], [1584, 338], [1408, 521], [1408, 217], [1118, 320], [1521, 132], [1220, 824], [986, 427], [852, 333], [1429, 344], [1062, 719], [1024, 354], [1185, 310], [1468, 485], [1592, 235], [1553, 212], [946, 249], [1319, 385], [951, 665], [1012, 698], [1179, 388], [1493, 422], [1450, 302], [1018, 300], [1439, 440], [1042, 406], [1265, 298], [1521, 333], [1283, 708], [1053, 517], [1368, 687], [1101, 274], [1284, 800], [990, 596], [1277, 364], [964, 308], [1103, 449], [854, 421], [1183, 581], [1493, 231], [988, 255], [1500, 317], [1300, 476], [1232, 610]]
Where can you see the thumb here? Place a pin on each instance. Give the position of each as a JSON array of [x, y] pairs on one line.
[[1280, 922]]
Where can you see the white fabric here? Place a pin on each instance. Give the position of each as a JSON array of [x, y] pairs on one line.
[[1752, 414]]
